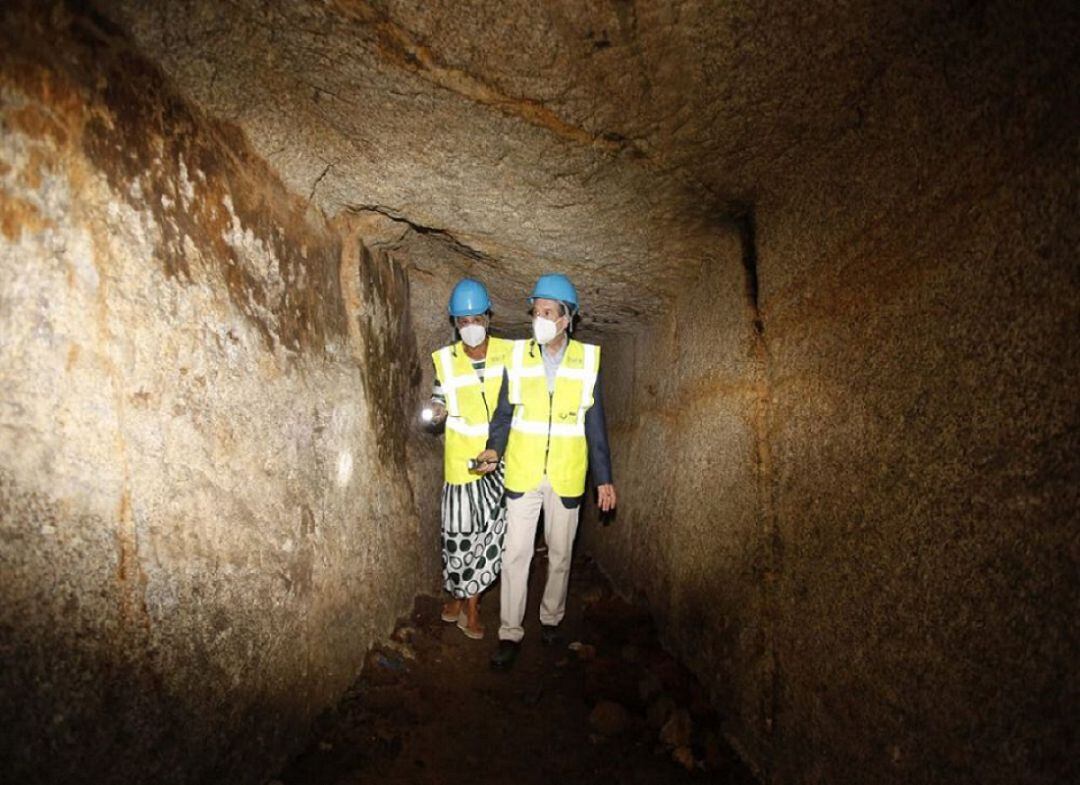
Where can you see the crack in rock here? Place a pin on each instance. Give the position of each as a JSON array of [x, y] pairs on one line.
[[443, 234]]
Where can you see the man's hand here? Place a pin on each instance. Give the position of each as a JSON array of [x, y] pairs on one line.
[[438, 413], [487, 462], [606, 497]]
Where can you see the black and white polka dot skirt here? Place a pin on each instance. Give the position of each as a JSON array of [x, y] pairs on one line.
[[473, 527]]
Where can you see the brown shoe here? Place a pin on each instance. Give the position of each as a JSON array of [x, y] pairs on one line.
[[451, 611], [476, 633]]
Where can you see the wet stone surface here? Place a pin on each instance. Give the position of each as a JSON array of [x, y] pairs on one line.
[[605, 704]]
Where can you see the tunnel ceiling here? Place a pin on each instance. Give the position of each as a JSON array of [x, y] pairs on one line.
[[610, 140]]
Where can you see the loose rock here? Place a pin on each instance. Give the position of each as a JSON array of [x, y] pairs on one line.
[[684, 756], [660, 710], [388, 662], [592, 595], [649, 687], [404, 649], [678, 729], [714, 754], [584, 651], [609, 718]]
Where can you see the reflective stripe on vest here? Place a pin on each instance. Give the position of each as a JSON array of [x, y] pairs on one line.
[[466, 414], [547, 432], [514, 370]]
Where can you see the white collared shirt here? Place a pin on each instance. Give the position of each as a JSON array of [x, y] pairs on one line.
[[552, 363]]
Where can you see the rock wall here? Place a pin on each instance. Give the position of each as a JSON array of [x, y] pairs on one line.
[[683, 401], [846, 454], [861, 525], [204, 520]]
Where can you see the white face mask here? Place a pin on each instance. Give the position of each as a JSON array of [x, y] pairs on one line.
[[544, 330], [473, 334]]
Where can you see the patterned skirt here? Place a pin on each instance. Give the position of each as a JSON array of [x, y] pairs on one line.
[[473, 527]]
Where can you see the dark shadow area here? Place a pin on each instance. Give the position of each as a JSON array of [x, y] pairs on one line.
[[96, 721], [743, 218], [605, 704]]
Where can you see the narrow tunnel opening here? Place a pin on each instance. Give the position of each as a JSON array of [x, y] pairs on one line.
[[229, 234]]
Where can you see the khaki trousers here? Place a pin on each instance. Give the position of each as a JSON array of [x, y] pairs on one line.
[[560, 526]]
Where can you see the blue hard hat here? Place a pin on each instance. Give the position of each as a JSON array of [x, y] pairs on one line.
[[469, 298], [555, 286]]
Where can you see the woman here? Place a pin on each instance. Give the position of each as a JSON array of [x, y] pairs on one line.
[[468, 377]]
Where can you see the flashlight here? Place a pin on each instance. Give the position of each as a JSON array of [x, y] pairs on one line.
[[427, 414], [474, 464]]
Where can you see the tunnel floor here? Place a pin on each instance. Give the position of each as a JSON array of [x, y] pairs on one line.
[[607, 704]]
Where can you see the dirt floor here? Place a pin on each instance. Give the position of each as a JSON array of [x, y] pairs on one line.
[[607, 704]]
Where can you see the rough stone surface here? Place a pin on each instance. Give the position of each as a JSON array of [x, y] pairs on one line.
[[605, 139], [688, 536], [832, 252], [849, 490], [204, 521]]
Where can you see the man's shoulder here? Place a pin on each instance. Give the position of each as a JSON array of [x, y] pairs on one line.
[[500, 349], [517, 345], [585, 350]]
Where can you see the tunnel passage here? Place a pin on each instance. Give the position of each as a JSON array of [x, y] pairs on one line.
[[830, 254]]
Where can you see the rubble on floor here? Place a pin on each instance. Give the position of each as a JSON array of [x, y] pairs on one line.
[[609, 706]]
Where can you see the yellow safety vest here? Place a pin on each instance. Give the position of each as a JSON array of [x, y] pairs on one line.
[[547, 433], [467, 411]]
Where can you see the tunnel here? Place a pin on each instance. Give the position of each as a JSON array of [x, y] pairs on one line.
[[829, 253]]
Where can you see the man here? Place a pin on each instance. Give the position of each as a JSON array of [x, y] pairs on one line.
[[550, 426], [468, 381]]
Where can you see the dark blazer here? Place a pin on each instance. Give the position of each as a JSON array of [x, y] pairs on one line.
[[595, 436]]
